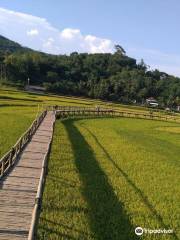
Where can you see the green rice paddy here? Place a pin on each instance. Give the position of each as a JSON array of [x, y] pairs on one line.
[[18, 109], [108, 176]]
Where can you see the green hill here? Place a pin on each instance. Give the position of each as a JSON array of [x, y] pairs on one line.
[[8, 46], [108, 76]]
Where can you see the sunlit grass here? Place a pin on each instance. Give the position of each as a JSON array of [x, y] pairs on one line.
[[18, 109], [107, 176], [14, 121], [13, 96]]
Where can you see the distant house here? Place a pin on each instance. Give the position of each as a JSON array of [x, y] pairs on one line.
[[35, 89], [152, 102]]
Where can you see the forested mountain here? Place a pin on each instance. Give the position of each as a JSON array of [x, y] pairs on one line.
[[114, 77], [8, 46]]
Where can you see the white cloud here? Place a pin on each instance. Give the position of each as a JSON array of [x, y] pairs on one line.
[[69, 33], [44, 37], [48, 39], [98, 44], [33, 32], [48, 43]]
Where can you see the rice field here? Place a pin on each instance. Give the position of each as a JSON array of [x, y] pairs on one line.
[[19, 108], [108, 176], [14, 121]]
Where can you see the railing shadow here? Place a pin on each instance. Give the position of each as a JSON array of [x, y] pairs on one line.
[[82, 234], [107, 217]]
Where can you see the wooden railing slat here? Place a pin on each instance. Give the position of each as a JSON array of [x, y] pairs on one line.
[[9, 158]]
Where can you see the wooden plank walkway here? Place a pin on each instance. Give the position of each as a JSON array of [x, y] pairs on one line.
[[18, 189]]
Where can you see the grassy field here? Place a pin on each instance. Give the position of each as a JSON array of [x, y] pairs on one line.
[[107, 176], [18, 109], [9, 97], [14, 121]]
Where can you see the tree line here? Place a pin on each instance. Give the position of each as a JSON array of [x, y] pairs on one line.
[[114, 77]]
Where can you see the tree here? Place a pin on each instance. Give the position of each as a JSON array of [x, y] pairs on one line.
[[120, 50], [142, 65], [52, 77], [106, 76]]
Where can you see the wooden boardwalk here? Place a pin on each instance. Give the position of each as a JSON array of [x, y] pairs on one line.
[[19, 188]]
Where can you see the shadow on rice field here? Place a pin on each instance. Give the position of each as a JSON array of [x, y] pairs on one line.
[[106, 176], [107, 217], [104, 179]]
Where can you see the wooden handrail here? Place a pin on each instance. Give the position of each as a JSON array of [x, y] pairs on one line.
[[146, 116], [10, 157], [38, 199], [76, 110]]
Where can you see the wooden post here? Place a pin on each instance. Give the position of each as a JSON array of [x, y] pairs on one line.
[[2, 168]]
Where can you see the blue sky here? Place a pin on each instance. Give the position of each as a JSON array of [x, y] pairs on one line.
[[146, 29]]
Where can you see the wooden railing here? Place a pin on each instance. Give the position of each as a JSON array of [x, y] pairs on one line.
[[149, 116], [10, 157], [39, 194], [75, 108], [72, 111], [85, 112]]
